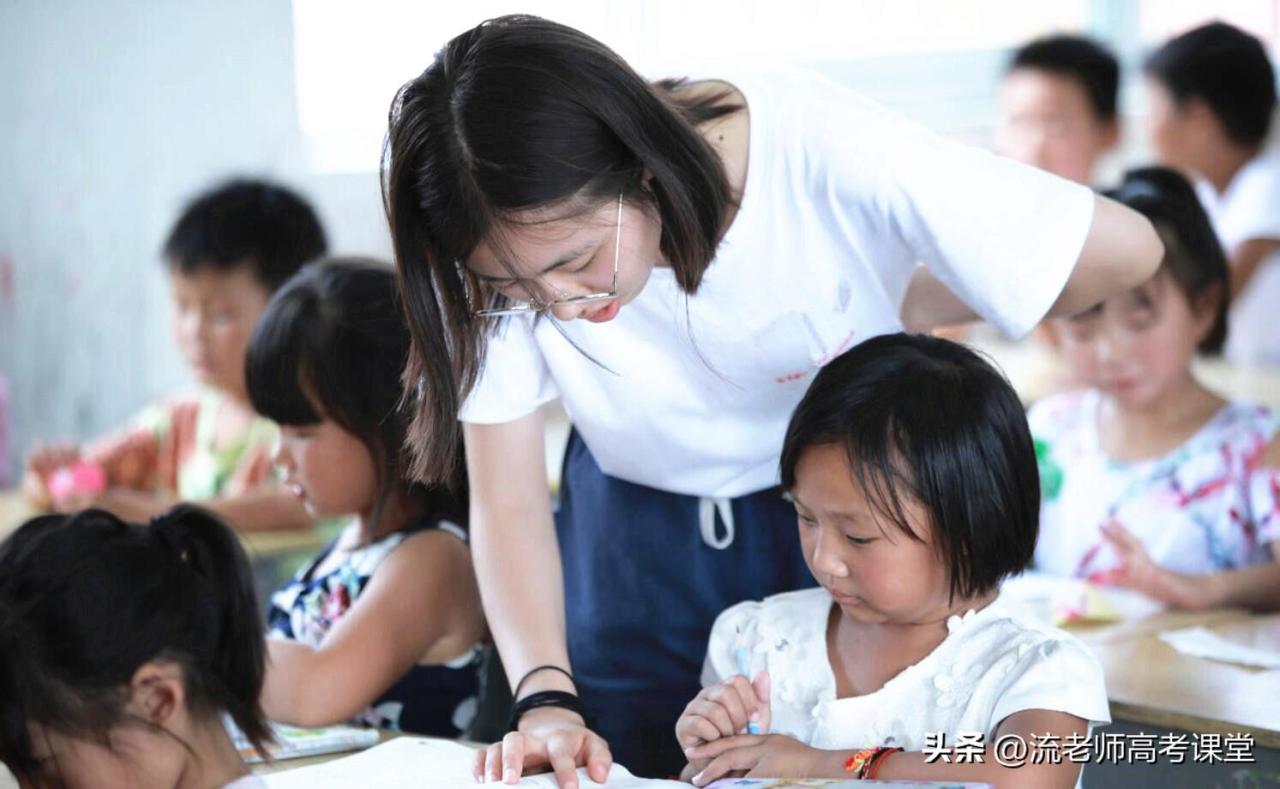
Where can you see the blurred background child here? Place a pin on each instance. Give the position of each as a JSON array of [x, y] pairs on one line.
[[1058, 106], [229, 250], [1211, 93], [1151, 480]]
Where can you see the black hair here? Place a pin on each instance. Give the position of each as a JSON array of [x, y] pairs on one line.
[[1228, 70], [87, 599], [1081, 59], [520, 113], [1193, 257], [927, 418], [332, 343], [240, 222]]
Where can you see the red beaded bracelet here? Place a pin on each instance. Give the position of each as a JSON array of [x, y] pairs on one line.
[[866, 762], [877, 761]]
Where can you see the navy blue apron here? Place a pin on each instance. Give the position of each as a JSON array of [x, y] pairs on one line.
[[646, 572]]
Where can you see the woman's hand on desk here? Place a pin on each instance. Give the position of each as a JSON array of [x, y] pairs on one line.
[[548, 737]]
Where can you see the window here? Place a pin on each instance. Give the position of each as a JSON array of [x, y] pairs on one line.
[[937, 60]]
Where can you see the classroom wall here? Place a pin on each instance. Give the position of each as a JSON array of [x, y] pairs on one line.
[[112, 114]]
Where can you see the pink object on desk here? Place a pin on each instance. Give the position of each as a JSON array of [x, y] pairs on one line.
[[81, 477]]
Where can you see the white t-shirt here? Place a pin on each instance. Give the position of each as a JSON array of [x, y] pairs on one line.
[[842, 198], [993, 663], [247, 782], [1250, 209]]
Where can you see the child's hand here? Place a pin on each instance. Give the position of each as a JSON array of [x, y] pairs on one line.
[[765, 756], [723, 711], [1137, 571], [41, 463]]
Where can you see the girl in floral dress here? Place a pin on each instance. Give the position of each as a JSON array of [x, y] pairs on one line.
[[385, 625], [1150, 480]]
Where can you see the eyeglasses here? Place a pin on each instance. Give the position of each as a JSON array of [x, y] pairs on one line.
[[537, 305]]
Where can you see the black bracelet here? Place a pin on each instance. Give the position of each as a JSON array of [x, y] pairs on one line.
[[547, 698], [547, 667]]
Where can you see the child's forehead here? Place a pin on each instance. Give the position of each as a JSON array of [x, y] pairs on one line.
[[217, 279], [1026, 85]]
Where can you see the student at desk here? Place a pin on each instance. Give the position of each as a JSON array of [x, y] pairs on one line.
[[384, 626], [230, 249], [915, 490], [122, 647], [720, 240], [1151, 480]]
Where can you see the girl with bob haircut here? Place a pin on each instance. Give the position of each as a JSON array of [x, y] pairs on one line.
[[721, 239], [914, 482]]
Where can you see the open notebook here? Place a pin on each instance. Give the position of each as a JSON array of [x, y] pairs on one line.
[[416, 763]]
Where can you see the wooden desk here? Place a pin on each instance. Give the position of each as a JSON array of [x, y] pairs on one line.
[[259, 545], [1149, 682]]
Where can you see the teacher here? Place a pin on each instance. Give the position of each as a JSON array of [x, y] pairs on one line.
[[674, 261]]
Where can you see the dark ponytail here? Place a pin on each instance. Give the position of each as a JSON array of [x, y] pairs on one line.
[[515, 114], [87, 599], [233, 665]]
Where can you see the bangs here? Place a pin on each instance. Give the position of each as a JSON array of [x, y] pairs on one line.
[[279, 354]]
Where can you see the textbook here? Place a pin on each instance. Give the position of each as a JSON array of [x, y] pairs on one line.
[[293, 742], [829, 783], [421, 763]]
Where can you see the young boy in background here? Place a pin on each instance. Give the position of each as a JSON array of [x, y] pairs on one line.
[[1212, 91], [228, 252], [1058, 106]]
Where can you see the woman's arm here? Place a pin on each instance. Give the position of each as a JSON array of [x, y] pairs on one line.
[[517, 562], [421, 600], [1121, 251]]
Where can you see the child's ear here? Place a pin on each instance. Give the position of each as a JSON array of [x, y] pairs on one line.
[[1110, 134], [1204, 308], [157, 692]]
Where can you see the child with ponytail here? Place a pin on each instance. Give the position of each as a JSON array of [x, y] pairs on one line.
[[122, 647]]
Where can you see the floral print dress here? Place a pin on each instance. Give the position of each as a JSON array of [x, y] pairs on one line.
[[437, 700], [1204, 507]]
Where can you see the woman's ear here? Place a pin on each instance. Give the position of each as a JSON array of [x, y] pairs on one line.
[[157, 692]]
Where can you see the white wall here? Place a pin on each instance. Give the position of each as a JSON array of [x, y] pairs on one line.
[[111, 115]]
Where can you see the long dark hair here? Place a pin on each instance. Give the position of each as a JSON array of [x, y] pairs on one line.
[[332, 344], [1192, 254], [87, 599], [520, 113]]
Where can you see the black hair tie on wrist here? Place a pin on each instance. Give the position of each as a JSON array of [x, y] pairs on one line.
[[547, 698], [535, 670]]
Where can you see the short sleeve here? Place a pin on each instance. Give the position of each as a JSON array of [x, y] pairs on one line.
[[514, 379], [1061, 675], [1255, 204], [1264, 504], [721, 661], [1001, 235]]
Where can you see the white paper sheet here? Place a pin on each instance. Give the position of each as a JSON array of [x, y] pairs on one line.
[[417, 763], [1204, 643]]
